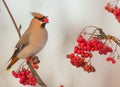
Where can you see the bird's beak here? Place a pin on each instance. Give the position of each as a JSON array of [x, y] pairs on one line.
[[46, 19]]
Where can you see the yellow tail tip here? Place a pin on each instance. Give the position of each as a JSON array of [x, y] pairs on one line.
[[7, 69]]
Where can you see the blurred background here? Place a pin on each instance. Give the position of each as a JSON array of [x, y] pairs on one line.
[[67, 18]]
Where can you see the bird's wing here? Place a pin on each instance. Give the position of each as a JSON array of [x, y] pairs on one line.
[[23, 42]]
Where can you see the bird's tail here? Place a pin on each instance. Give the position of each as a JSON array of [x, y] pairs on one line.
[[12, 62]]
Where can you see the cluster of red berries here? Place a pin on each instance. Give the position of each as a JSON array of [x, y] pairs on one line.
[[85, 47], [114, 10], [81, 57], [25, 77], [77, 61], [111, 59]]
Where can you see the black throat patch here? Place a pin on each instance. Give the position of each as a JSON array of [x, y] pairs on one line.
[[43, 25]]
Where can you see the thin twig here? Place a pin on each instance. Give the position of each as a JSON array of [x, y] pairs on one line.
[[34, 73], [17, 29]]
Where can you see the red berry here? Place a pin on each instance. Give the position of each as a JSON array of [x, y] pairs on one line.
[[14, 74], [108, 59], [78, 52], [27, 72], [80, 39], [21, 81], [85, 48], [71, 55], [61, 85], [22, 77], [92, 49], [89, 43], [46, 20], [22, 73], [76, 48], [99, 45], [106, 7], [89, 68], [90, 55], [113, 61], [88, 48], [33, 83], [86, 55], [32, 79], [23, 69]]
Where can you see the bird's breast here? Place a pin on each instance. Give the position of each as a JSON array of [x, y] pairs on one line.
[[37, 41]]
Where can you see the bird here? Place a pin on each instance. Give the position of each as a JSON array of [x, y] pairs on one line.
[[32, 41]]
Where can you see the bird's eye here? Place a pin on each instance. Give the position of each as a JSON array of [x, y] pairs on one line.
[[43, 19]]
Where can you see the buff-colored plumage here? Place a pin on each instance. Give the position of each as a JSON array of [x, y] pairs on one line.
[[32, 41]]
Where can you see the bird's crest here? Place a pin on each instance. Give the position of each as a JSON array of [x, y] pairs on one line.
[[38, 15]]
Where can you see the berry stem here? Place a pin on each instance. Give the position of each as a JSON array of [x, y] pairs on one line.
[[89, 61], [114, 51], [86, 28], [20, 66], [92, 34], [116, 40], [101, 32]]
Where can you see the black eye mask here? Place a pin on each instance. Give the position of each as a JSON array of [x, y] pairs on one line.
[[40, 19]]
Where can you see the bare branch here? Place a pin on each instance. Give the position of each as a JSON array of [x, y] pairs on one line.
[[39, 80], [17, 29]]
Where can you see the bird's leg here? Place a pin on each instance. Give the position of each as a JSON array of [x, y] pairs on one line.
[[36, 60]]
